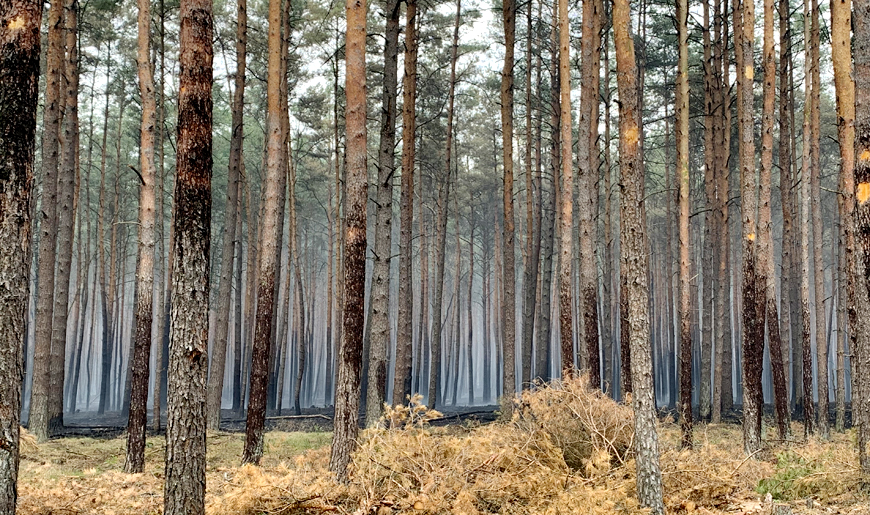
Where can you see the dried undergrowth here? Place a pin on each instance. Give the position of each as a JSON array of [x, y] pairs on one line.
[[593, 432], [514, 467]]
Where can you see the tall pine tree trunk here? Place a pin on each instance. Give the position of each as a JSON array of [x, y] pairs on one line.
[[509, 11], [587, 175], [841, 55], [766, 263], [267, 261], [221, 338], [634, 250], [861, 56], [347, 394], [566, 201], [20, 22], [753, 316], [184, 490], [682, 179], [404, 337], [141, 359], [52, 119]]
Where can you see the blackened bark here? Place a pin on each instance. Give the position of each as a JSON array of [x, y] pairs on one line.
[[509, 12], [20, 22], [861, 56], [184, 490]]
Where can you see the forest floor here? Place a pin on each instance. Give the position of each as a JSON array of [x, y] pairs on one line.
[[519, 466]]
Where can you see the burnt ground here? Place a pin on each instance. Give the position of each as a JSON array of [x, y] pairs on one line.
[[113, 423]]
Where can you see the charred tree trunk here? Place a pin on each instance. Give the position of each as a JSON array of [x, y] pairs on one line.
[[861, 55], [634, 249], [753, 314], [20, 22], [766, 263], [566, 201], [184, 490]]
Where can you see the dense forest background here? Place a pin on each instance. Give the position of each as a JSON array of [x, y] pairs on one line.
[[458, 212]]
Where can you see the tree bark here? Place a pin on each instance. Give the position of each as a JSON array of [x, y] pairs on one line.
[[509, 12], [380, 296], [766, 263], [20, 22], [634, 249], [404, 337], [818, 258], [38, 421], [140, 367], [267, 255], [682, 179], [861, 56], [807, 370], [566, 201], [587, 175], [184, 491], [753, 315], [347, 395], [222, 317], [841, 55], [67, 180]]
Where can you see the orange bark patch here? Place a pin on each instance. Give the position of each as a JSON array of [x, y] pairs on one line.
[[16, 23], [863, 192]]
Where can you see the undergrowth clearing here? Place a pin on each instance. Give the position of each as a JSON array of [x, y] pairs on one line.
[[566, 450]]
